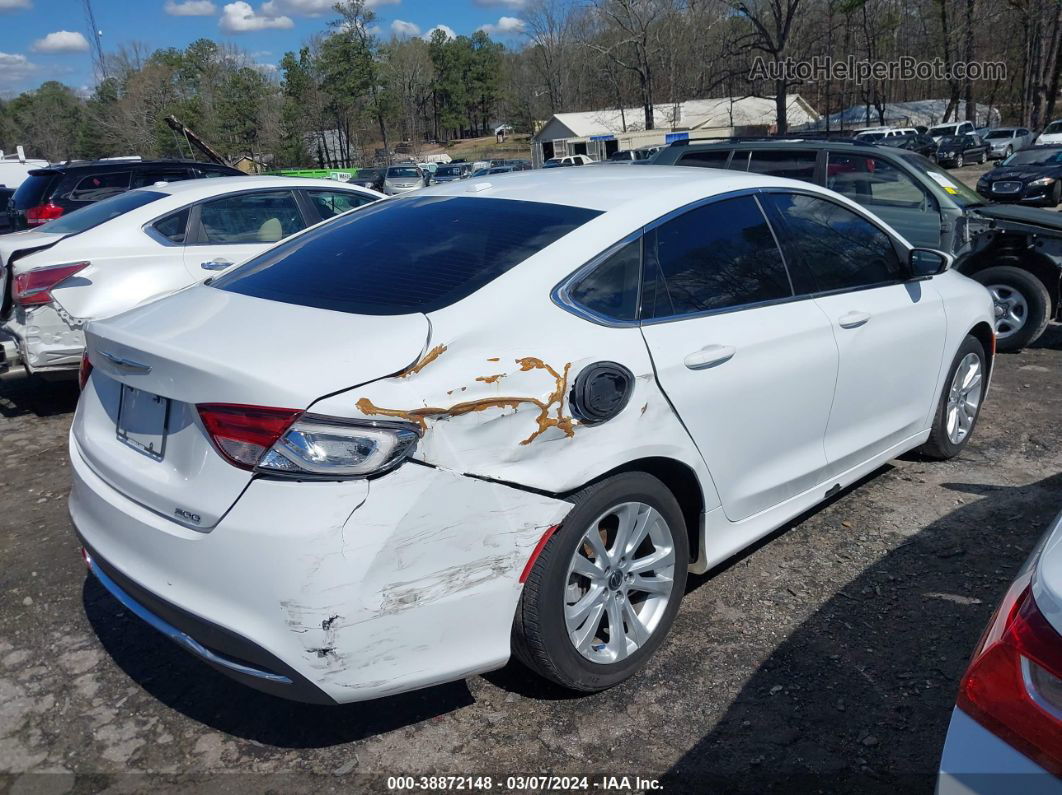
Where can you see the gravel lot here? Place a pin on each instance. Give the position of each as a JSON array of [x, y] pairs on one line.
[[827, 657]]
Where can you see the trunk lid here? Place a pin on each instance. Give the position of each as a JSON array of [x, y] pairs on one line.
[[204, 345]]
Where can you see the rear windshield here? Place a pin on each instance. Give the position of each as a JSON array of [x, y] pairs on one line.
[[99, 212], [447, 171], [368, 262], [947, 129], [34, 190]]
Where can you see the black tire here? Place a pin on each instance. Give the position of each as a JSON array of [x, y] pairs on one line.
[[1035, 295], [1055, 196], [1008, 152], [540, 637], [959, 161], [939, 445]]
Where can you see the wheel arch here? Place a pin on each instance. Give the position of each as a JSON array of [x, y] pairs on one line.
[[984, 334], [1010, 250]]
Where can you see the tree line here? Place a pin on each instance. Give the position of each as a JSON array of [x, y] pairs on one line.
[[350, 95]]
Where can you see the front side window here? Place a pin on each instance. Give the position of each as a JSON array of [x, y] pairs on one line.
[[611, 289], [95, 187], [784, 163], [370, 263], [250, 218], [838, 248], [871, 180], [330, 203], [716, 256]]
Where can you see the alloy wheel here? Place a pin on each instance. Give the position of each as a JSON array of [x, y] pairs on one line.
[[620, 582], [1010, 308], [964, 397]]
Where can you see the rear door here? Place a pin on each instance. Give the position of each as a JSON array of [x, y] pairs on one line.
[[889, 328], [889, 193], [235, 227], [748, 365]]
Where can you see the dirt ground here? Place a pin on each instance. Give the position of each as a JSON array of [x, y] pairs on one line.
[[826, 658]]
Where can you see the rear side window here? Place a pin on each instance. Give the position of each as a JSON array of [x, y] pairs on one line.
[[99, 212], [716, 256], [369, 262], [840, 249], [784, 163], [149, 176], [173, 226], [706, 158], [250, 218], [96, 187], [611, 289]]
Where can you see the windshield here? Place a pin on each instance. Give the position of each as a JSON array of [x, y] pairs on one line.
[[959, 193], [950, 140], [1034, 157], [100, 212], [367, 174], [403, 171], [994, 134], [368, 262], [1054, 128], [447, 171], [946, 129], [870, 136]]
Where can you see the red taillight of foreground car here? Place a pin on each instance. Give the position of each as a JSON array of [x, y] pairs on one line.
[[42, 214], [243, 433], [84, 371], [34, 287], [1013, 686]]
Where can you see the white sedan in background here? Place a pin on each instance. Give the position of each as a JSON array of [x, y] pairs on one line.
[[517, 437], [134, 247], [1005, 734]]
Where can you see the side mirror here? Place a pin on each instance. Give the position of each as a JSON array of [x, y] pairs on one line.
[[927, 262]]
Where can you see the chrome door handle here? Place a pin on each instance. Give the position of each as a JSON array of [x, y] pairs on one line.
[[709, 356], [853, 319], [215, 265]]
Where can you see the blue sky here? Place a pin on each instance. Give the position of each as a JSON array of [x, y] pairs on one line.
[[47, 39]]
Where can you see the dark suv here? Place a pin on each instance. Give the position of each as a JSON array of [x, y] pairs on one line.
[[48, 193], [1016, 252]]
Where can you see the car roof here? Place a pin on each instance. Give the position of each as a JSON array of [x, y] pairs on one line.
[[607, 186], [124, 163], [794, 142], [192, 189]]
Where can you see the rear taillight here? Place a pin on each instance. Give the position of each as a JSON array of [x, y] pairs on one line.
[[243, 433], [286, 442], [34, 287], [42, 214], [85, 370], [1013, 686]]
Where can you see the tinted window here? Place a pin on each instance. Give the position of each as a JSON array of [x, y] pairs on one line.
[[98, 213], [707, 158], [34, 190], [784, 163], [173, 226], [100, 186], [715, 256], [838, 248], [150, 176], [611, 289], [403, 172], [250, 218], [871, 180], [369, 263], [330, 203], [740, 161]]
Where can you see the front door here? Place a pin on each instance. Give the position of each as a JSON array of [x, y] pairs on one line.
[[749, 367], [889, 328]]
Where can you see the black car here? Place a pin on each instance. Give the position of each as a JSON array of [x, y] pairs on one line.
[[958, 150], [48, 193], [922, 144], [1031, 176], [451, 172], [5, 219], [369, 178], [1016, 252]]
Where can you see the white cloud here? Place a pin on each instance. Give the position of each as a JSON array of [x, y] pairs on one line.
[[15, 5], [14, 68], [505, 26], [444, 28], [240, 17], [513, 4], [61, 41], [311, 8], [401, 28], [265, 68], [190, 8]]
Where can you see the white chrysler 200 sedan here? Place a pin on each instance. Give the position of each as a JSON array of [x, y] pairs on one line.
[[505, 416]]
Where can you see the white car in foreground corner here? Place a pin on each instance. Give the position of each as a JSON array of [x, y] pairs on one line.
[[132, 248], [364, 463], [1005, 734]]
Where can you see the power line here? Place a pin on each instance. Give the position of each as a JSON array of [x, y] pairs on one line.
[[97, 41]]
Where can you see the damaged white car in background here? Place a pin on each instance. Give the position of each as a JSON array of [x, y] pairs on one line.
[[368, 461], [134, 247]]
